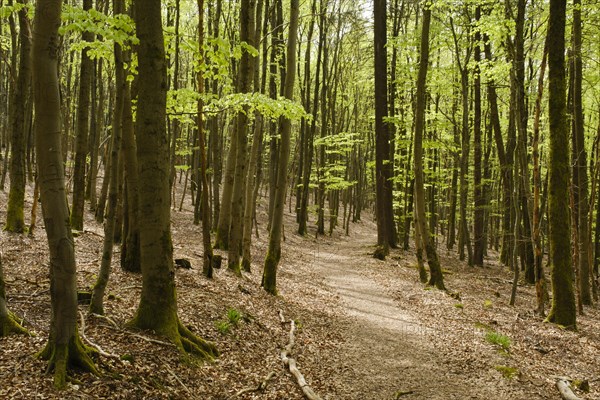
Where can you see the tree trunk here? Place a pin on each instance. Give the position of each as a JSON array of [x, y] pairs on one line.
[[157, 310], [130, 247], [15, 219], [274, 251], [245, 77], [437, 278], [8, 322], [479, 197], [97, 303], [386, 229], [563, 310], [580, 178], [83, 110], [64, 349], [207, 265]]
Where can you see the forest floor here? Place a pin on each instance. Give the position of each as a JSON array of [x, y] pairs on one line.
[[367, 329]]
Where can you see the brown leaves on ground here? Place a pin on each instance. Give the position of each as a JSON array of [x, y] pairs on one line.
[[367, 329]]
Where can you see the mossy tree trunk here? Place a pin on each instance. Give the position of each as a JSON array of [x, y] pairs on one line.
[[245, 79], [436, 277], [83, 110], [64, 348], [8, 322], [130, 247], [563, 311], [580, 177], [157, 310], [274, 250], [207, 266], [15, 220], [97, 303]]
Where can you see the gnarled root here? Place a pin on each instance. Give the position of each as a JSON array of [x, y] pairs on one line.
[[9, 325], [195, 345], [63, 358]]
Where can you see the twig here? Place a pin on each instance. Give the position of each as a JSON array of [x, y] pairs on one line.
[[179, 380], [94, 345], [147, 339], [289, 362], [261, 387]]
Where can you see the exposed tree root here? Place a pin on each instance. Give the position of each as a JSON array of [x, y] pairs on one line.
[[565, 390], [10, 325], [63, 358], [196, 345], [290, 363]]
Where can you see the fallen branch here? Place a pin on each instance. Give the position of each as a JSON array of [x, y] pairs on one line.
[[92, 344], [116, 327], [180, 381], [261, 387], [289, 362], [565, 390]]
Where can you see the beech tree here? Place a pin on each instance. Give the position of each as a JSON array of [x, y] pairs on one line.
[[15, 220], [64, 349], [563, 311], [157, 309]]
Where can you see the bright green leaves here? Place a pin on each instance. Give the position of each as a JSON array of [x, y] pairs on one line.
[[113, 29]]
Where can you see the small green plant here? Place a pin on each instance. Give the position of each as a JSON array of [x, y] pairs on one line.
[[459, 305], [487, 304], [223, 327], [507, 372], [498, 339], [234, 316]]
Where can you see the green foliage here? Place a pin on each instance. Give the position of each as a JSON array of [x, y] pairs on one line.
[[506, 371], [487, 304], [498, 339], [223, 327], [234, 316], [113, 29]]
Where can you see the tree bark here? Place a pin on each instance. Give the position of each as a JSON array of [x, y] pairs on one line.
[[157, 310], [563, 311], [83, 110], [15, 217], [64, 349], [274, 251], [437, 278]]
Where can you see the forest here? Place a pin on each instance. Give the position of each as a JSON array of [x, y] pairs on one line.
[[288, 199]]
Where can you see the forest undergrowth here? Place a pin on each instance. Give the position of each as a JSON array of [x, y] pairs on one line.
[[472, 343]]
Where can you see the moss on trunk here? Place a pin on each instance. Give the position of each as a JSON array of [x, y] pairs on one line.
[[65, 357]]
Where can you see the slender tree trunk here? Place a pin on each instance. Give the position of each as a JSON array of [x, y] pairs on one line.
[[15, 219], [83, 110], [580, 179], [540, 279], [563, 311], [274, 251], [479, 220], [64, 349], [130, 247], [208, 259], [437, 278], [97, 303], [386, 229], [245, 77]]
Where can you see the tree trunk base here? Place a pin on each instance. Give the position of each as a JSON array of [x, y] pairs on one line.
[[9, 325], [67, 357], [183, 339]]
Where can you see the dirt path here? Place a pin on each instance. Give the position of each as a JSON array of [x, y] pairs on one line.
[[387, 350]]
